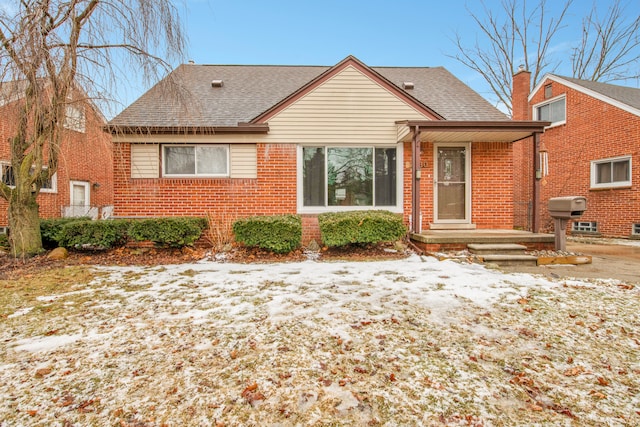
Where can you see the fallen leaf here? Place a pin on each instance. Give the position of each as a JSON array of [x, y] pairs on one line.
[[603, 382], [43, 372], [572, 372]]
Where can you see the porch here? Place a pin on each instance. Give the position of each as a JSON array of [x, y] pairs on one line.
[[454, 240]]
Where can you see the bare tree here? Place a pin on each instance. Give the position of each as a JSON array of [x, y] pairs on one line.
[[517, 35], [609, 49], [48, 50]]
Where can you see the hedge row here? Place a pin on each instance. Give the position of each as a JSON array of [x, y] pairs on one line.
[[358, 227], [82, 233], [279, 233], [283, 233]]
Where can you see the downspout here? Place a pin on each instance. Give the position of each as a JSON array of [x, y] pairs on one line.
[[537, 175], [415, 181]]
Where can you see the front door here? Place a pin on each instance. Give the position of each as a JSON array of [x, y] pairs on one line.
[[452, 183], [79, 202]]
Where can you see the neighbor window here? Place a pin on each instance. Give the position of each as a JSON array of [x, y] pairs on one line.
[[551, 111], [195, 160], [349, 177], [614, 172], [9, 179], [74, 118], [585, 227]]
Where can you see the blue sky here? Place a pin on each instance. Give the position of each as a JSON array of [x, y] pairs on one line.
[[378, 32]]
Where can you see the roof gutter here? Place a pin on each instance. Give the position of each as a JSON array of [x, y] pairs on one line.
[[261, 128]]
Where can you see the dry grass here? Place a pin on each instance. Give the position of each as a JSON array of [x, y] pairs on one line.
[[227, 345]]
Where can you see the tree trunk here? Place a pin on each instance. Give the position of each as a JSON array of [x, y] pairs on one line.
[[24, 228]]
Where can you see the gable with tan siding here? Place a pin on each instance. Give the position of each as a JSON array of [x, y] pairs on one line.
[[349, 108]]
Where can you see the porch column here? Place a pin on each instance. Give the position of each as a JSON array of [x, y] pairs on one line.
[[415, 181], [535, 210]]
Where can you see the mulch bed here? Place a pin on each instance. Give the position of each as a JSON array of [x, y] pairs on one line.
[[11, 268]]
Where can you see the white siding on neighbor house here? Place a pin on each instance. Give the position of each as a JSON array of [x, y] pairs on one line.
[[244, 161], [145, 161], [349, 108]]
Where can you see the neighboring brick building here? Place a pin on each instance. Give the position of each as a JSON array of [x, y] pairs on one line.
[[83, 183], [591, 149], [236, 141]]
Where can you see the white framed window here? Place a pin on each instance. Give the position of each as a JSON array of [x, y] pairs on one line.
[[611, 172], [552, 110], [332, 178], [635, 229], [585, 227], [74, 118], [195, 160], [6, 172]]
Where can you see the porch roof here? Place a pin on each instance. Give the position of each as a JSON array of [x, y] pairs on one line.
[[469, 131]]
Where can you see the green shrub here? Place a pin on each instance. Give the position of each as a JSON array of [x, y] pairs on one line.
[[4, 241], [279, 233], [344, 228], [50, 230], [173, 232], [93, 235]]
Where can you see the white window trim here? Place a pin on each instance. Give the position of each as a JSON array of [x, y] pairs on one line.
[[610, 184], [468, 186], [166, 175], [54, 180], [87, 192], [71, 122], [551, 101], [398, 208]]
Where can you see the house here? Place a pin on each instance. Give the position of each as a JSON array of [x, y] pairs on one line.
[[591, 149], [83, 183], [236, 140]]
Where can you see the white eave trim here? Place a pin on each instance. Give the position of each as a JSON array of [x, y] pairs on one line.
[[586, 91]]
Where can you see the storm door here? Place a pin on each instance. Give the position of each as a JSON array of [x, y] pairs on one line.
[[452, 183]]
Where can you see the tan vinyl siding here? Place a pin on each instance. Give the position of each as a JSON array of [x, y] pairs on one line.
[[145, 161], [349, 108], [244, 160]]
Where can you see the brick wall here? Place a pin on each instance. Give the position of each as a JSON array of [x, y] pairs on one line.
[[594, 130], [274, 191], [83, 157], [492, 185]]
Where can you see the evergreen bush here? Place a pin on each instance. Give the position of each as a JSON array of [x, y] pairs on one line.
[[278, 233], [360, 227]]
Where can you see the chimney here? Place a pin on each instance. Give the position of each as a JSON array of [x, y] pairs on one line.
[[520, 94]]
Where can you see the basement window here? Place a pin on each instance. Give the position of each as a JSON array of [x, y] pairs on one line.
[[585, 227], [635, 229]]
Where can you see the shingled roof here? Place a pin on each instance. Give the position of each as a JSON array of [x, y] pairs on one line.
[[626, 95], [187, 99]]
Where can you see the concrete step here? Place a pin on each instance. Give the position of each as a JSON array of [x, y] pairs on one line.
[[501, 259], [496, 248]]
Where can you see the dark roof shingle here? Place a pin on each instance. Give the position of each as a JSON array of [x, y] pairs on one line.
[[626, 95], [185, 98]]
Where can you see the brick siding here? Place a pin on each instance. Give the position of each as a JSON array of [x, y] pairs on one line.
[[83, 157], [593, 130]]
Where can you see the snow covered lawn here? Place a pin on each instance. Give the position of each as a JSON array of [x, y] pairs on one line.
[[406, 342]]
